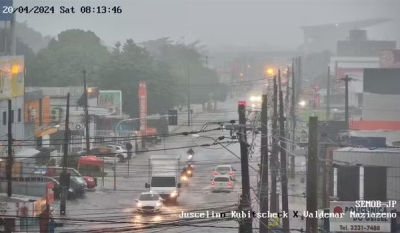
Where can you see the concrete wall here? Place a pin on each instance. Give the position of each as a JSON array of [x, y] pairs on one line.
[[20, 130], [36, 189]]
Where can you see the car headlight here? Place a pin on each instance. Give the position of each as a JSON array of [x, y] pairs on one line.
[[90, 179], [173, 194], [158, 204], [71, 190], [139, 204]]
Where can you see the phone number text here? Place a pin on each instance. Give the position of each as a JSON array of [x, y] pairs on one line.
[[371, 228]]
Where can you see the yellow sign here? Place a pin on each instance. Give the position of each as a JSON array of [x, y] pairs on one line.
[[12, 76]]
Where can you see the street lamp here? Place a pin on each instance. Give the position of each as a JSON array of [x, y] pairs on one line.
[[270, 71]]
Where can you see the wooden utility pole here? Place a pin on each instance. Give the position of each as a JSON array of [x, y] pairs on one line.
[[284, 179], [64, 176], [246, 226], [274, 156], [328, 95], [264, 165], [9, 148], [312, 175]]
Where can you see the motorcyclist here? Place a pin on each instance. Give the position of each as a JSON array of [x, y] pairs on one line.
[[190, 151], [189, 169]]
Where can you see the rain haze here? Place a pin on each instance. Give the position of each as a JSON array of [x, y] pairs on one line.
[[221, 23], [183, 115]]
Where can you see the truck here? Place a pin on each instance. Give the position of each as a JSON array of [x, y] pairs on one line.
[[164, 176]]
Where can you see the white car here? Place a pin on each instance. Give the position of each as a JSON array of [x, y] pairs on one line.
[[225, 170], [149, 202], [122, 154], [222, 184]]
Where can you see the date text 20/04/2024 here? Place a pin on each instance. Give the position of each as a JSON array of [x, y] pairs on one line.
[[61, 9]]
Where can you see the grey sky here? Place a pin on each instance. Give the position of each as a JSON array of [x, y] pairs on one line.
[[215, 22]]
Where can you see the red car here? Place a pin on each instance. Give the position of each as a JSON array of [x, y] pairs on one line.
[[91, 182]]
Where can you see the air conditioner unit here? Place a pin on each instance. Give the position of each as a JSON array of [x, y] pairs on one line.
[[55, 115]]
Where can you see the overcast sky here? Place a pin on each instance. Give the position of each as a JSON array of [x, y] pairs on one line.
[[251, 23]]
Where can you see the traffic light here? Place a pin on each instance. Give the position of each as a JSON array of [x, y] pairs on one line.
[[172, 117]]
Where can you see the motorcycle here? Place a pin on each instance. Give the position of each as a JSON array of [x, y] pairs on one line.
[[184, 180], [189, 171]]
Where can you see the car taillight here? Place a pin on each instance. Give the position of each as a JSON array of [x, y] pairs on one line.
[[212, 183], [229, 183], [231, 173], [215, 173]]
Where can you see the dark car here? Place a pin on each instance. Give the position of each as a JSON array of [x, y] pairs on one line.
[[91, 182], [77, 185], [57, 187]]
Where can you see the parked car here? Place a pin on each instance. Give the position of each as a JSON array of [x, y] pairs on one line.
[[122, 153], [77, 186], [91, 182], [57, 188]]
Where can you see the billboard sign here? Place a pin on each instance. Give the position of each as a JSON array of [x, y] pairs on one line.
[[355, 218], [142, 106], [12, 75], [6, 10], [112, 100]]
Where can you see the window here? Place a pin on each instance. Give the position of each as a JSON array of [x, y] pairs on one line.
[[19, 115], [12, 116], [4, 118]]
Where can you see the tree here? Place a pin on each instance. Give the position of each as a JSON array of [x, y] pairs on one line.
[[186, 64], [61, 63], [30, 37], [129, 65]]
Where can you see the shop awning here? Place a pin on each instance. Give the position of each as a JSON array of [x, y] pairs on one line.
[[43, 132]]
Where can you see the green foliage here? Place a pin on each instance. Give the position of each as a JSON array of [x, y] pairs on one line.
[[52, 162], [62, 62], [164, 65], [129, 65]]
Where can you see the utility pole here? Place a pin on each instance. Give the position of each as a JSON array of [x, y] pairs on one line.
[[246, 225], [264, 165], [87, 120], [274, 156], [64, 176], [328, 95], [284, 179], [188, 94], [312, 175], [346, 101], [293, 117], [9, 146]]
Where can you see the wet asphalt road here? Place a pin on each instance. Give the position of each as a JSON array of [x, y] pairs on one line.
[[113, 211], [106, 210]]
